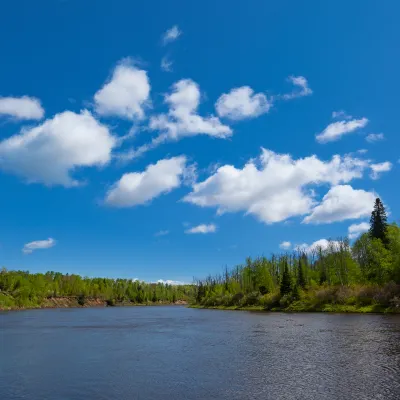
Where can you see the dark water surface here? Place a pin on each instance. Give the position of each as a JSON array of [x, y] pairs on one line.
[[152, 353]]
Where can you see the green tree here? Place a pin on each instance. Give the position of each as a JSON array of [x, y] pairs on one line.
[[286, 283], [301, 279], [378, 222]]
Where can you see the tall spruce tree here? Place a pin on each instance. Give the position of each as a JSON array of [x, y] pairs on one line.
[[301, 279], [378, 222], [286, 283]]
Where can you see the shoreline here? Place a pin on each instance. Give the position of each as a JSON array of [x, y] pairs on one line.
[[331, 309]]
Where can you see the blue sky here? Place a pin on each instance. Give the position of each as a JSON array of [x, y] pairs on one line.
[[164, 140]]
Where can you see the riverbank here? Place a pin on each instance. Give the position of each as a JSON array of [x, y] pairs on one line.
[[75, 302], [299, 308]]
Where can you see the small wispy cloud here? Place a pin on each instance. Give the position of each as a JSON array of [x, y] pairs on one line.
[[203, 228], [341, 115], [285, 245], [166, 64], [337, 129], [302, 88], [171, 35], [374, 137], [38, 244], [161, 233], [377, 169]]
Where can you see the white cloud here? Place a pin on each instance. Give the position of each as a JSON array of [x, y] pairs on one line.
[[275, 187], [161, 233], [362, 151], [38, 244], [374, 137], [241, 103], [355, 230], [337, 129], [171, 35], [321, 244], [21, 107], [340, 203], [302, 88], [285, 245], [49, 152], [166, 64], [203, 228], [377, 169], [182, 118], [171, 282], [341, 114], [141, 187], [126, 94]]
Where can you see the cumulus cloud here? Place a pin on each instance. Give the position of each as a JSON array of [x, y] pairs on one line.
[[203, 228], [302, 88], [126, 94], [355, 230], [241, 103], [285, 245], [182, 118], [340, 203], [275, 187], [50, 152], [171, 35], [137, 188], [166, 64], [21, 108], [38, 244], [374, 137], [337, 129], [377, 169]]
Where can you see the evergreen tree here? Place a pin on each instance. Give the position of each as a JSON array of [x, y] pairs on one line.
[[301, 279], [378, 222], [286, 284]]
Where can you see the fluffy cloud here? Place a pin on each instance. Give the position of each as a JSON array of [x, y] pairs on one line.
[[336, 130], [126, 94], [49, 152], [321, 244], [38, 244], [241, 103], [203, 228], [374, 137], [302, 88], [141, 187], [21, 107], [166, 64], [356, 230], [182, 118], [340, 203], [285, 245], [377, 169], [171, 35], [275, 187]]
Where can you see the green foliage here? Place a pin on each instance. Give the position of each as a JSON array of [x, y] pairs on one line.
[[286, 284], [20, 289]]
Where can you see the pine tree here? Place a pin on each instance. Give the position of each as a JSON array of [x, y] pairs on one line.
[[301, 279], [286, 284], [378, 222]]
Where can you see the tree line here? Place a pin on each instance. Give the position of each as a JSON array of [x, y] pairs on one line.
[[340, 276], [23, 289]]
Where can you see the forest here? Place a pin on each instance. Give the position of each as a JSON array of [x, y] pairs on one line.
[[343, 277], [360, 277], [20, 289]]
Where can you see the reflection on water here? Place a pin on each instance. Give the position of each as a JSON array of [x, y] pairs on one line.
[[152, 353]]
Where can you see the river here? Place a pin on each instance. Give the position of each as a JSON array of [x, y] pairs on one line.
[[173, 353]]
